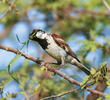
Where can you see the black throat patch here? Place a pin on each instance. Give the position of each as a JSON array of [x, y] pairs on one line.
[[43, 42]]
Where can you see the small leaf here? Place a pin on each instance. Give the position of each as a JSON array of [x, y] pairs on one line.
[[6, 48], [99, 98], [93, 34], [37, 87], [27, 43], [107, 96], [23, 93], [108, 82], [93, 71], [43, 68], [86, 77], [84, 82], [103, 64], [13, 61], [18, 38]]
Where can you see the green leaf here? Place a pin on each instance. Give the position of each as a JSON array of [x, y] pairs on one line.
[[107, 96], [37, 87], [18, 38], [103, 64], [23, 93], [13, 61], [108, 82], [93, 71], [10, 64], [24, 43], [84, 82], [43, 68], [99, 98], [93, 34]]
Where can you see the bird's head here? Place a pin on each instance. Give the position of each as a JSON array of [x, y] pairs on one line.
[[37, 34]]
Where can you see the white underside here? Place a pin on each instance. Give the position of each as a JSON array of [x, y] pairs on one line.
[[54, 50], [57, 52]]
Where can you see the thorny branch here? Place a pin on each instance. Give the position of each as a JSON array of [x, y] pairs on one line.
[[71, 80], [91, 12], [59, 95], [6, 12], [106, 4]]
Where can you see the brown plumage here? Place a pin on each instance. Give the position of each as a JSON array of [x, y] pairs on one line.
[[60, 41]]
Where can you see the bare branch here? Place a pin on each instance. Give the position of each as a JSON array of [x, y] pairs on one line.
[[106, 4], [71, 80], [91, 12], [21, 53], [6, 12], [59, 95]]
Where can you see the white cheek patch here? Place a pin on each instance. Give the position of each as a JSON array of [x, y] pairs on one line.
[[44, 36], [41, 35], [38, 34]]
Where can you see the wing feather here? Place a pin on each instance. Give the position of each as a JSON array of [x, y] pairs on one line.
[[59, 40]]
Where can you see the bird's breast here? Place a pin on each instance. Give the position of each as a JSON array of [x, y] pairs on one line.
[[54, 50]]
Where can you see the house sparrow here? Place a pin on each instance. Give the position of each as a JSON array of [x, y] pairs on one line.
[[56, 47]]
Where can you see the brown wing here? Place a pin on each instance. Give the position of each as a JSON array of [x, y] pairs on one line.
[[58, 39]]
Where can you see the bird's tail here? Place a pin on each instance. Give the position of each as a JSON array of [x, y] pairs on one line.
[[81, 66]]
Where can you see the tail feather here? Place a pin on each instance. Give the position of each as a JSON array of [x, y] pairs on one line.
[[81, 66]]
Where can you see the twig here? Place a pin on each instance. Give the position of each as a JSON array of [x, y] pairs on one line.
[[6, 12], [21, 53], [71, 80], [59, 95], [106, 4], [91, 12]]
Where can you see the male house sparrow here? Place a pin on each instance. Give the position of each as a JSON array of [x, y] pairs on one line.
[[56, 47]]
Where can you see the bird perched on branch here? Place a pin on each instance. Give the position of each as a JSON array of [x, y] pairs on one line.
[[56, 47]]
